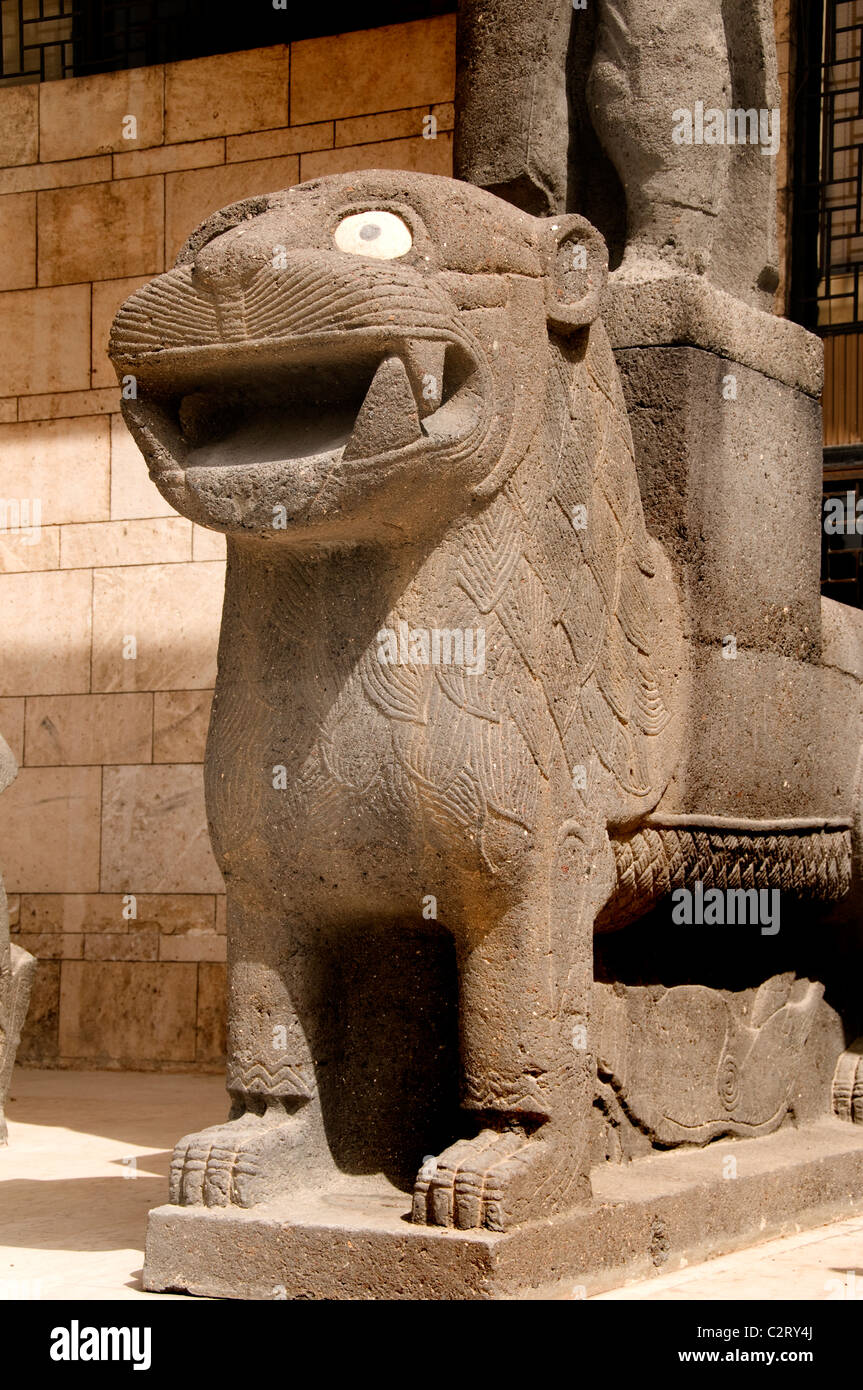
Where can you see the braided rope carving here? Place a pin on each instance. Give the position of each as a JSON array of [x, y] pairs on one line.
[[652, 862]]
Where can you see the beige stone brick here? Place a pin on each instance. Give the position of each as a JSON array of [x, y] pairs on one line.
[[133, 1012], [172, 612], [13, 908], [268, 144], [63, 463], [45, 340], [229, 93], [31, 177], [193, 946], [108, 295], [193, 195], [180, 722], [388, 125], [19, 125], [84, 116], [418, 155], [73, 912], [12, 727], [195, 154], [370, 70], [154, 831], [45, 633], [101, 231], [88, 729], [8, 409], [49, 830], [176, 913], [133, 494], [207, 545], [65, 405], [18, 552], [18, 241], [130, 945], [221, 913], [158, 541], [212, 1010], [51, 946], [39, 1036]]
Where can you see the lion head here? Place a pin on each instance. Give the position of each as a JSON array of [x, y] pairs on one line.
[[358, 353]]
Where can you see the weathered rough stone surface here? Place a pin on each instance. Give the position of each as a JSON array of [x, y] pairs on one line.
[[469, 710], [17, 968]]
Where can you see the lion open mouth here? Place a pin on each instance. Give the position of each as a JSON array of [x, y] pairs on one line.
[[312, 407]]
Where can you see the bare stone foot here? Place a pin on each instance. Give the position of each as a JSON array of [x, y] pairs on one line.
[[239, 1163], [498, 1179]]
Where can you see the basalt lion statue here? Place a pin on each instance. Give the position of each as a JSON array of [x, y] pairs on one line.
[[451, 667]]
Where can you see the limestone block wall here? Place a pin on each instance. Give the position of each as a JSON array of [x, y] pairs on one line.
[[109, 602]]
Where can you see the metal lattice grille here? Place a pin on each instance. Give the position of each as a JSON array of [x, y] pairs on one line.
[[828, 289], [48, 39]]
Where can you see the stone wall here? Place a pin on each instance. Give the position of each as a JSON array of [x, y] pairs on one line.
[[109, 607]]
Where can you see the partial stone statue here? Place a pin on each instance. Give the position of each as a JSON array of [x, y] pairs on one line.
[[17, 969], [684, 97], [464, 694]]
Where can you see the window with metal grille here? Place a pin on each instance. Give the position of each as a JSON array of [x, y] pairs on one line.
[[48, 39]]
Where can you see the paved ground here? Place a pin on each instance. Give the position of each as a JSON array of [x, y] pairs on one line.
[[88, 1156]]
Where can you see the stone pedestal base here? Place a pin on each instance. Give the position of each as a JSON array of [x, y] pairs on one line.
[[649, 1217]]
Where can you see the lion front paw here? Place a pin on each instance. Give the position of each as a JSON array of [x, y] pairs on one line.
[[498, 1179], [240, 1163]]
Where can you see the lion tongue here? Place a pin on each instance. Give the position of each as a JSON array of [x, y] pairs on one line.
[[388, 416]]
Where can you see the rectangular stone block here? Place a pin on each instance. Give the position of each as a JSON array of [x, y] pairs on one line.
[[88, 729], [417, 155], [180, 722], [192, 195], [137, 944], [370, 70], [12, 727], [18, 240], [108, 295], [154, 831], [387, 125], [193, 946], [84, 116], [244, 91], [51, 945], [76, 913], [45, 632], [171, 613], [176, 913], [64, 464], [196, 154], [8, 410], [29, 548], [133, 494], [160, 541], [135, 1013], [30, 177], [101, 231], [19, 124], [269, 144], [45, 340], [65, 405], [49, 830], [211, 1021]]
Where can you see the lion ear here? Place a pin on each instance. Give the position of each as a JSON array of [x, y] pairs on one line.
[[576, 263]]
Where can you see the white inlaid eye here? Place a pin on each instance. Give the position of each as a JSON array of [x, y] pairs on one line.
[[381, 235]]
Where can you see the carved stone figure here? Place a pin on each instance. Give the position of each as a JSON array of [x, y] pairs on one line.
[[684, 97], [454, 685], [17, 968]]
